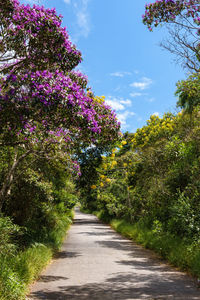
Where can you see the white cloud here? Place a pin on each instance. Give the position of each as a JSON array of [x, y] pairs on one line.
[[38, 2], [115, 105], [83, 26], [121, 106], [122, 117], [139, 119], [151, 99], [118, 103], [156, 114], [135, 94], [34, 1], [82, 21], [127, 102], [143, 84], [120, 74]]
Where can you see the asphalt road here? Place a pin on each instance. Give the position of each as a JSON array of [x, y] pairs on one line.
[[96, 263]]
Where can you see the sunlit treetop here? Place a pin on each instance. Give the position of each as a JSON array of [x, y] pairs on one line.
[[182, 18], [188, 92], [156, 128], [58, 104], [79, 78], [33, 36], [44, 102], [162, 11]]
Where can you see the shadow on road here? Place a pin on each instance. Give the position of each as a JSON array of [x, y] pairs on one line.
[[141, 277], [86, 221], [100, 233], [117, 244], [49, 278], [122, 287], [65, 254]]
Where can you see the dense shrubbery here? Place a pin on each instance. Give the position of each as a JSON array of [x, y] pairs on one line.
[[40, 203], [21, 265], [154, 179], [51, 124], [48, 117]]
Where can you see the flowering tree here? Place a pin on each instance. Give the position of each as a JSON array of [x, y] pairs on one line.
[[183, 18], [44, 104], [33, 37], [53, 102]]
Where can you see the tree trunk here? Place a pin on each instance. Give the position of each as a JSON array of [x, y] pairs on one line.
[[6, 187]]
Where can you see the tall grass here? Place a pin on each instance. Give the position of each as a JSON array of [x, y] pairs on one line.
[[18, 269], [182, 253]]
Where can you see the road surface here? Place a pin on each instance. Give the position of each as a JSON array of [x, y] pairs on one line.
[[96, 263]]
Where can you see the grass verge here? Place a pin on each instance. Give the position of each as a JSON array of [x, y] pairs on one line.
[[181, 253], [19, 270]]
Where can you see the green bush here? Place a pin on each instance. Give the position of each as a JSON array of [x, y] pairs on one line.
[[183, 218], [18, 267], [180, 252], [29, 263], [11, 286], [8, 235]]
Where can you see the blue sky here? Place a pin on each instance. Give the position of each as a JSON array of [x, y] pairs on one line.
[[122, 59]]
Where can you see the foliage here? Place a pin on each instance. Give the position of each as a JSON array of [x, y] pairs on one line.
[[169, 10], [51, 106], [188, 92], [181, 253], [183, 20], [49, 119], [30, 36], [19, 267], [152, 182], [8, 231], [151, 177], [44, 104]]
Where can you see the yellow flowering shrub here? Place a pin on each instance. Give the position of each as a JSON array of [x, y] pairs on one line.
[[99, 99], [108, 180], [156, 128]]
